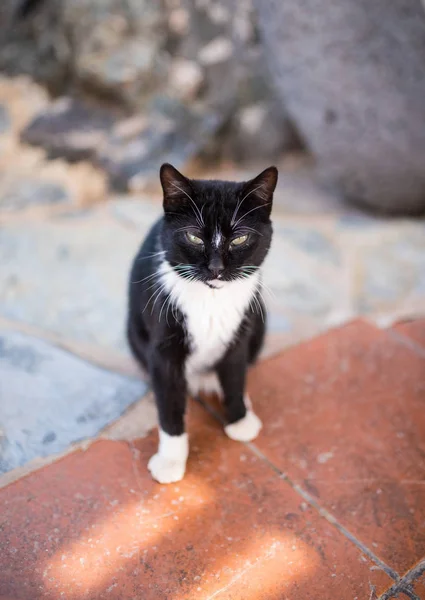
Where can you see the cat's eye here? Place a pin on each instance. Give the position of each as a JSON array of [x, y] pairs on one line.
[[239, 240], [194, 239]]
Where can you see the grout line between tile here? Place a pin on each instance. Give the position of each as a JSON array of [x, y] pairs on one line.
[[327, 515], [40, 462], [308, 498], [406, 341], [404, 585], [210, 410]]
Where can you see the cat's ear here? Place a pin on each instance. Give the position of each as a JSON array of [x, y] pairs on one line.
[[263, 186], [176, 187]]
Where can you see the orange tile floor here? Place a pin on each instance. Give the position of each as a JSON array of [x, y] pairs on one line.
[[327, 504]]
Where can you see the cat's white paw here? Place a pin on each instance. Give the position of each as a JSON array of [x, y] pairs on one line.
[[169, 464], [166, 470], [246, 429]]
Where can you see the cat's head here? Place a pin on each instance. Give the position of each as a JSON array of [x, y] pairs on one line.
[[216, 231]]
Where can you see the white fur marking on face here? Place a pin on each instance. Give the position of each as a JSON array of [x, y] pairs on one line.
[[246, 429], [212, 315], [168, 465], [217, 239]]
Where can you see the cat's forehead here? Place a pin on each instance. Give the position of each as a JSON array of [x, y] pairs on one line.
[[211, 191]]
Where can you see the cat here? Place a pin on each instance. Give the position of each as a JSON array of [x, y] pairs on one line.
[[196, 315]]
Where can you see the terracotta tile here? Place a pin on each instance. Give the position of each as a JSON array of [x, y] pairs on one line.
[[95, 525], [415, 330], [419, 588], [344, 417]]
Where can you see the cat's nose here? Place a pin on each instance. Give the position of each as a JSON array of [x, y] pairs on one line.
[[216, 266]]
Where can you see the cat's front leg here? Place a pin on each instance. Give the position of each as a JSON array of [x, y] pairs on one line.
[[244, 425], [168, 465]]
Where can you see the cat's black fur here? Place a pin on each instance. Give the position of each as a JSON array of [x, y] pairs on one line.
[[156, 332]]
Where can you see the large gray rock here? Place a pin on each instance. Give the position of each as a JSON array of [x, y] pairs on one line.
[[351, 75], [117, 46], [96, 43], [69, 128], [173, 132], [9, 9], [195, 66], [50, 399]]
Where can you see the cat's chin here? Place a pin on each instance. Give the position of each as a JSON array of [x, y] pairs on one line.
[[215, 284]]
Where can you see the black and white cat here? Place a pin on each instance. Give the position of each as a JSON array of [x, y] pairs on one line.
[[196, 316]]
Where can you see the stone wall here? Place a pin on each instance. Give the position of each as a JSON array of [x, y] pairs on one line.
[[352, 76], [150, 81], [192, 72]]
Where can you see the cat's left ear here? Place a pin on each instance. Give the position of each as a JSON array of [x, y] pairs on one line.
[[263, 186], [176, 187]]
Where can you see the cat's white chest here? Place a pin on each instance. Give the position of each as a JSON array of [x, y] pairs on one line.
[[212, 319], [212, 316]]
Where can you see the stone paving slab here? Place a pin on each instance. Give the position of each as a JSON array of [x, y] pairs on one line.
[[317, 275], [232, 530], [69, 276], [50, 399]]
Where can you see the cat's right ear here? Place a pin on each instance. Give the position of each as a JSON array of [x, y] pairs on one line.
[[176, 187]]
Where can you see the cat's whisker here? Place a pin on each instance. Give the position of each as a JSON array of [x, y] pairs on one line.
[[145, 278], [166, 311], [161, 287], [186, 273], [250, 211], [186, 228], [152, 285], [253, 304], [268, 289], [242, 230], [167, 299], [199, 220], [151, 255], [261, 296], [156, 289], [260, 308], [247, 270], [170, 303], [239, 204]]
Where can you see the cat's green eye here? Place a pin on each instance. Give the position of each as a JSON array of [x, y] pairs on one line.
[[239, 240], [194, 239]]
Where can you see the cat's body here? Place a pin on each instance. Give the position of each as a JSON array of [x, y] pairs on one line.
[[196, 316]]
